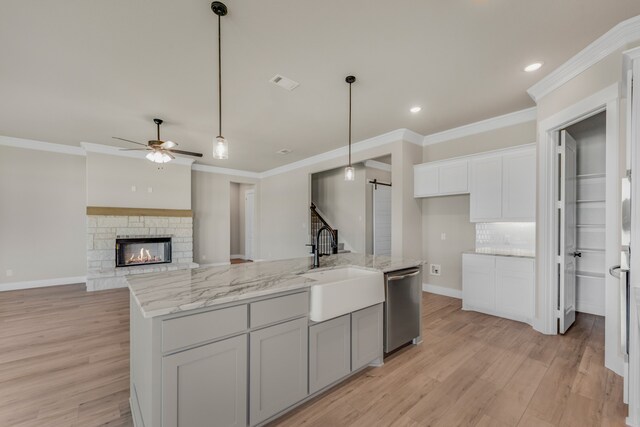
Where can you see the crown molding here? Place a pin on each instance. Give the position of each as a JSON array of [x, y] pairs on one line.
[[30, 144], [616, 38], [225, 171], [376, 141], [377, 165], [116, 151], [493, 123]]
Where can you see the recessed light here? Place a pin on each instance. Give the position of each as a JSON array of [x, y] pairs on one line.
[[415, 109], [533, 67]]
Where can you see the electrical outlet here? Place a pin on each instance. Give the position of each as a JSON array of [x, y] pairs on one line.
[[133, 188], [443, 236], [9, 273], [434, 269]]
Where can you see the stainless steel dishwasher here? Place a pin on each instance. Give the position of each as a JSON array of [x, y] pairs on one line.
[[403, 291]]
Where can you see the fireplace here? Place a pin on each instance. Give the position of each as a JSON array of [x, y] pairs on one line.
[[133, 251]]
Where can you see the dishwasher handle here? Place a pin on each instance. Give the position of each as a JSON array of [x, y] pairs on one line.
[[404, 276]]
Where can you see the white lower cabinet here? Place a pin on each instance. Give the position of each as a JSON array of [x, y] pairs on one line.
[[499, 285], [478, 282]]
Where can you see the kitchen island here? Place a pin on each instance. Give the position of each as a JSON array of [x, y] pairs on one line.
[[234, 345]]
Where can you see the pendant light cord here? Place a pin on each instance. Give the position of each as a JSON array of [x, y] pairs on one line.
[[349, 124], [219, 79]]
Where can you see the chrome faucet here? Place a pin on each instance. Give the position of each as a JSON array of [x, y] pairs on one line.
[[315, 246]]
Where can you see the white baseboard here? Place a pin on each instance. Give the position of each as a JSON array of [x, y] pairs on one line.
[[12, 286], [441, 290], [583, 307], [236, 256]]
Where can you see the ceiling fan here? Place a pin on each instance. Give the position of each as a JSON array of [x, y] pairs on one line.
[[159, 151]]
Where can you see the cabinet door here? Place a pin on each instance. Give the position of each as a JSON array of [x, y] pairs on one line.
[[515, 288], [519, 186], [329, 352], [366, 336], [478, 282], [453, 177], [278, 366], [425, 181], [486, 189], [206, 383]]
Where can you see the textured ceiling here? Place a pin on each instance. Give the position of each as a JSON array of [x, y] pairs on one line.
[[75, 71]]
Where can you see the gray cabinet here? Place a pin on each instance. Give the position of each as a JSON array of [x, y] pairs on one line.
[[278, 365], [329, 352], [366, 336], [206, 385]]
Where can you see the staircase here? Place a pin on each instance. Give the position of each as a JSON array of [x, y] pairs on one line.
[[324, 244]]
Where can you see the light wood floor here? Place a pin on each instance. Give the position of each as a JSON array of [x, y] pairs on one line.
[[478, 370], [64, 357], [64, 361]]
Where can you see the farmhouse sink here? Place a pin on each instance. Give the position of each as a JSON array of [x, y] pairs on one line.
[[343, 291]]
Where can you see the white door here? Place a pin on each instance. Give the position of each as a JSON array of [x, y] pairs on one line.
[[248, 224], [382, 220], [567, 288]]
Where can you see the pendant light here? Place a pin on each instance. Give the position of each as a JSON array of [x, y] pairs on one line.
[[349, 171], [220, 144]]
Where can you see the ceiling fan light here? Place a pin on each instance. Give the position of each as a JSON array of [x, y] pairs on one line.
[[220, 148], [158, 157], [349, 173]]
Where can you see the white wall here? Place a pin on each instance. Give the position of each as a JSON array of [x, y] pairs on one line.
[[212, 216], [110, 180], [450, 215], [42, 215], [235, 221]]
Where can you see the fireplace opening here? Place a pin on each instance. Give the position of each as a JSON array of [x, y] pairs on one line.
[[132, 251]]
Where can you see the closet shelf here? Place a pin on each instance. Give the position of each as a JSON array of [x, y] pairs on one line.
[[591, 175], [592, 226], [591, 201], [589, 274]]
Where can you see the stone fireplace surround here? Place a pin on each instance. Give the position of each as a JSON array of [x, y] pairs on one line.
[[103, 228]]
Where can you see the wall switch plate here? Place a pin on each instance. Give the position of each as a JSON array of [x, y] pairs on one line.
[[434, 269], [443, 236], [9, 273], [133, 188], [150, 190]]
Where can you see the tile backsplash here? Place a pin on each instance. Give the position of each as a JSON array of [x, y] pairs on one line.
[[508, 238]]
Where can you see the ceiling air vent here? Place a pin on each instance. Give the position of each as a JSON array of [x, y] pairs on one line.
[[284, 151], [284, 82]]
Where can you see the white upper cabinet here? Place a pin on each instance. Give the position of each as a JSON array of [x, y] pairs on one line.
[[454, 177], [486, 189], [502, 183], [519, 186], [441, 178], [425, 180]]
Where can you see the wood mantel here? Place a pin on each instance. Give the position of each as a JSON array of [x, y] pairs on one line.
[[111, 211]]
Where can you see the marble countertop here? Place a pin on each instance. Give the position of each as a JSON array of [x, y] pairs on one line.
[[515, 254], [157, 294]]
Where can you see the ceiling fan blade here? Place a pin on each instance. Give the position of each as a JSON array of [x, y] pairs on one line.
[[128, 140], [168, 145], [134, 149], [187, 153]]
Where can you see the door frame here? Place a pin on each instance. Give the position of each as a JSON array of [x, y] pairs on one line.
[[608, 100], [249, 249]]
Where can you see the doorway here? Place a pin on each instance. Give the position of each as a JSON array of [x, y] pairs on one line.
[[241, 222], [582, 180]]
